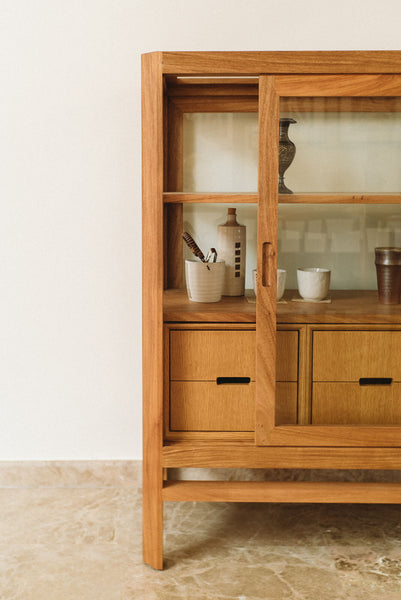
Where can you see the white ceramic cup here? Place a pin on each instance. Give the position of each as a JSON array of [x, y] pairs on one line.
[[313, 283], [281, 275], [204, 281]]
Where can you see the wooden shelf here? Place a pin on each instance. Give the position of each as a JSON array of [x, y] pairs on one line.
[[282, 491], [347, 306], [246, 455], [207, 198], [317, 198], [177, 308], [307, 198]]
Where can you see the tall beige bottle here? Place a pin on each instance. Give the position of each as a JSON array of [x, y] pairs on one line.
[[231, 247]]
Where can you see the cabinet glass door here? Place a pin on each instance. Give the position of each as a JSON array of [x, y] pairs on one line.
[[334, 144]]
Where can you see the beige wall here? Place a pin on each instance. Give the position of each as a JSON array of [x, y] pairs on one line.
[[70, 380]]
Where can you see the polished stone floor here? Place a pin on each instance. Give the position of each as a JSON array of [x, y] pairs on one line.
[[73, 531]]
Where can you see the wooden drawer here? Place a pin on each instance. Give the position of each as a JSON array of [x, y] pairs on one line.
[[352, 404], [351, 355], [206, 406], [204, 355]]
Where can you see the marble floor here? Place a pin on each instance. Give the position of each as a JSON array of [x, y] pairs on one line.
[[73, 531]]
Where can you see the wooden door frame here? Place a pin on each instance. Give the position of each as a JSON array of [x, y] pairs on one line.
[[271, 89]]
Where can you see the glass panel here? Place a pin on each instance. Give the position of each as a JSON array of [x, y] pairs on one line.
[[341, 238], [343, 151], [220, 152], [342, 146]]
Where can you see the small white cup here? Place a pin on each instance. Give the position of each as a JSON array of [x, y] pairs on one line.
[[204, 280], [281, 275], [313, 283]]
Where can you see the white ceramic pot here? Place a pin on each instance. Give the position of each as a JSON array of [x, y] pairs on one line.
[[313, 283], [281, 276], [204, 280]]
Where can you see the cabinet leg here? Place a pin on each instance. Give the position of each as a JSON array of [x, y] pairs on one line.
[[152, 521]]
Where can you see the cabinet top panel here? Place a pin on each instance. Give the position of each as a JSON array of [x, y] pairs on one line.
[[251, 63]]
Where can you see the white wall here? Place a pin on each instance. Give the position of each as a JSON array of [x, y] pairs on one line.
[[70, 235]]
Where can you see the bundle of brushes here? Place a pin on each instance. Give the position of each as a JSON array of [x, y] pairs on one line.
[[193, 246]]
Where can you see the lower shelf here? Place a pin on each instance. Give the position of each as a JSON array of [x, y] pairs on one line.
[[282, 491], [346, 306], [243, 455]]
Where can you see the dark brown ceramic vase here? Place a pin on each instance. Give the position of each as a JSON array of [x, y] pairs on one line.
[[388, 270], [286, 153]]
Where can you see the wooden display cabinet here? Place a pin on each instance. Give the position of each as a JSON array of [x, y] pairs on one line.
[[266, 385]]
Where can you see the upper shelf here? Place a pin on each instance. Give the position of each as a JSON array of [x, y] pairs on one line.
[[252, 198]]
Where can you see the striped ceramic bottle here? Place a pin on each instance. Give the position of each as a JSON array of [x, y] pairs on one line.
[[231, 247]]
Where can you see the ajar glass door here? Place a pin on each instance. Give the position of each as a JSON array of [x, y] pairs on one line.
[[343, 194]]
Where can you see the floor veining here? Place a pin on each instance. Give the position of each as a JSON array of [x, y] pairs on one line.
[[77, 535]]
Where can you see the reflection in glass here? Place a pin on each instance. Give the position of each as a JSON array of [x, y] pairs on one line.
[[339, 152], [341, 238]]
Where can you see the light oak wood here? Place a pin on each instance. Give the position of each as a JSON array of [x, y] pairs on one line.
[[198, 198], [287, 356], [208, 407], [216, 101], [350, 355], [266, 259], [338, 85], [178, 308], [199, 357], [205, 355], [199, 87], [335, 492], [352, 404], [340, 198], [152, 285], [249, 63], [211, 104], [253, 198], [304, 375], [294, 76], [336, 435], [173, 136], [346, 307], [286, 409], [340, 104], [202, 355], [245, 455], [212, 86]]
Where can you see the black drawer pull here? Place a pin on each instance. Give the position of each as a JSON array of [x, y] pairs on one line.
[[221, 380], [375, 381]]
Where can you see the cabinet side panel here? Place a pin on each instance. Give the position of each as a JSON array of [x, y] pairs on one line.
[[152, 307], [266, 260]]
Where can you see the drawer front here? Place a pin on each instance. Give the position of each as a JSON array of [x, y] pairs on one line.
[[352, 404], [206, 406], [351, 355], [287, 356], [205, 355]]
